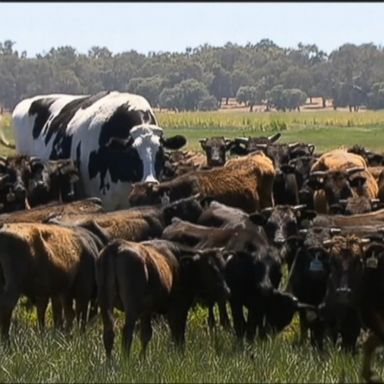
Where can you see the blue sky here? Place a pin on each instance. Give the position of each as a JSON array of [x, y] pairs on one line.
[[144, 27]]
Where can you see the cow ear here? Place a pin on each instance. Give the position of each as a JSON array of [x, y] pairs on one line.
[[174, 142], [311, 148], [357, 181], [202, 143]]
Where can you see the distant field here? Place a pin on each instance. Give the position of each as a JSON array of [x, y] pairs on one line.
[[325, 129], [208, 358]]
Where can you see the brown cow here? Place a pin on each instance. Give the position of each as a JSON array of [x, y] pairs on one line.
[[154, 277], [45, 212], [43, 261], [215, 149], [246, 184], [339, 174]]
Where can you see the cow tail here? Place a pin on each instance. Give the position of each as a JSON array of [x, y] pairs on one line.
[[106, 282]]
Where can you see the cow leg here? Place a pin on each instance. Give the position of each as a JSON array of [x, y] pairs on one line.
[[128, 329], [82, 312], [238, 319], [41, 305], [317, 334], [369, 347], [252, 322], [224, 319], [8, 301], [69, 313], [57, 312], [93, 309], [211, 317], [349, 334], [303, 327], [177, 319], [145, 334], [108, 332]]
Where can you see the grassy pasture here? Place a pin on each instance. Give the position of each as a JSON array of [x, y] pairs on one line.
[[208, 358]]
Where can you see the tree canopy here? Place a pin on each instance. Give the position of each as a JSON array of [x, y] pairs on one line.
[[203, 77]]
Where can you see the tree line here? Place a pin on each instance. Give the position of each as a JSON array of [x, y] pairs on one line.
[[204, 77]]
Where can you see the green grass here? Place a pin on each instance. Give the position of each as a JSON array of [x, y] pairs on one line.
[[326, 130], [209, 358], [53, 357]]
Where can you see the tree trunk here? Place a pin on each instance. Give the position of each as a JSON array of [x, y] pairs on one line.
[[250, 107], [310, 99], [350, 108], [323, 101], [298, 108], [226, 100]]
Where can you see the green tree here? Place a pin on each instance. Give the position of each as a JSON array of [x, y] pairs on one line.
[[208, 103], [293, 98], [249, 95]]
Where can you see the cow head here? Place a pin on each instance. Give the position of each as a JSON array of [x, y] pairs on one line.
[[280, 222], [374, 266], [301, 149], [142, 153], [64, 177], [215, 149], [337, 184], [39, 182], [278, 153], [245, 145], [18, 171], [346, 269], [203, 271], [188, 208], [146, 194], [302, 168]]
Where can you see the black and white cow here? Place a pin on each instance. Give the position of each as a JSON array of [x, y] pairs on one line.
[[86, 130]]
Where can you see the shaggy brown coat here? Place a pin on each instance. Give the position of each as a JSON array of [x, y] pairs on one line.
[[245, 184]]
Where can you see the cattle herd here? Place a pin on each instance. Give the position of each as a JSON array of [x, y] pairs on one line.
[[97, 215]]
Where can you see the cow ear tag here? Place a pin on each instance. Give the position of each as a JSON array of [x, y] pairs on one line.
[[316, 266], [372, 262]]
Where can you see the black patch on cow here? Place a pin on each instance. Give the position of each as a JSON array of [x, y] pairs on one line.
[[40, 107], [61, 146], [93, 99], [123, 166], [122, 121]]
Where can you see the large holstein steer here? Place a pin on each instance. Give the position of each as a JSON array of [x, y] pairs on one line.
[[338, 175], [113, 137], [143, 279], [246, 184], [45, 261]]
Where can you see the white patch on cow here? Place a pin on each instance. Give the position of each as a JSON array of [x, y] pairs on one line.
[[146, 140], [215, 154]]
